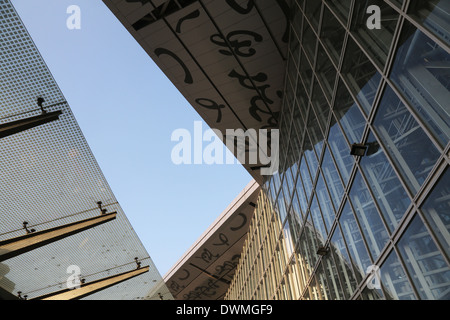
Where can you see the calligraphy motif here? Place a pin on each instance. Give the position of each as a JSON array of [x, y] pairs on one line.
[[207, 256], [192, 15], [187, 275], [237, 44], [238, 8], [224, 240], [285, 8], [244, 221], [210, 104], [199, 292], [188, 77], [175, 286], [228, 265], [246, 82]]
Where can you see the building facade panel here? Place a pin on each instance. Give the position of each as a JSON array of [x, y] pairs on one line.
[[374, 226]]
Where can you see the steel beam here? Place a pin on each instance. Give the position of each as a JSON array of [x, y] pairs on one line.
[[17, 126], [87, 289], [19, 245]]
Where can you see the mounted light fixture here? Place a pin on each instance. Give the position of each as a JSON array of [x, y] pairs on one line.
[[322, 251], [364, 149], [10, 128]]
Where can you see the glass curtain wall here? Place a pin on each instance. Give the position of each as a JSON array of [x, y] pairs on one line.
[[374, 226]]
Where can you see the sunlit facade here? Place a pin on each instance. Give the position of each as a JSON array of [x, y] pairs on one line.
[[63, 234]]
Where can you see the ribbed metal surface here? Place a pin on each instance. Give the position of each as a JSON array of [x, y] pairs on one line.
[[49, 177]]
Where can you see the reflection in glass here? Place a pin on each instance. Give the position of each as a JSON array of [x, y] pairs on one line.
[[349, 115], [300, 189], [309, 42], [332, 179], [306, 72], [376, 41], [319, 226], [434, 15], [394, 280], [427, 267], [424, 80], [387, 189], [368, 217], [320, 107], [342, 262], [332, 35], [325, 202], [306, 178], [340, 151], [407, 143], [341, 8], [361, 75], [355, 243], [326, 73], [312, 12], [436, 209]]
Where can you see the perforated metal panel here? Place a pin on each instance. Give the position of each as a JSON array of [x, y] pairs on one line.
[[49, 177]]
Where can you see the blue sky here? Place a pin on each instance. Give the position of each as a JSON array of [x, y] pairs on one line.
[[127, 110]]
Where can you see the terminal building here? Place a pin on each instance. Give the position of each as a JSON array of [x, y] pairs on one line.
[[359, 90]]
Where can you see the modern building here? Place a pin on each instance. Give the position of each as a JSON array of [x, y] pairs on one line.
[[63, 234], [359, 90], [207, 268]]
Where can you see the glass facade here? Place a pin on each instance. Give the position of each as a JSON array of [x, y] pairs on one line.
[[332, 225]]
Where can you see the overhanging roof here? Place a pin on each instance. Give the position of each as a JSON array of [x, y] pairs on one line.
[[226, 58], [206, 269]]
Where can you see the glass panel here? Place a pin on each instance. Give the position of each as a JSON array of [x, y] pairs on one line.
[[434, 15], [436, 209], [332, 179], [319, 226], [341, 8], [306, 178], [309, 246], [301, 194], [320, 107], [332, 35], [288, 239], [297, 209], [310, 155], [302, 102], [428, 269], [421, 71], [306, 72], [405, 140], [312, 12], [355, 243], [342, 263], [398, 3], [372, 294], [325, 202], [281, 206], [294, 47], [361, 75], [325, 72], [349, 115], [340, 151], [376, 41], [309, 41], [386, 187], [395, 282], [368, 217]]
